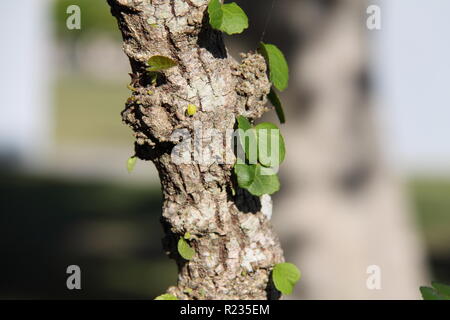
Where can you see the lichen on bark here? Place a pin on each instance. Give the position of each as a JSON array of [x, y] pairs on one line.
[[229, 228]]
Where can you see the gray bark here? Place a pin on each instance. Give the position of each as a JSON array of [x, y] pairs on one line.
[[232, 237]]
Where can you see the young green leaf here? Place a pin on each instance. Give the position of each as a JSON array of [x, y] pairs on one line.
[[191, 109], [429, 294], [442, 289], [159, 63], [153, 77], [270, 155], [438, 292], [166, 296], [130, 87], [229, 18], [248, 139], [285, 276], [245, 174], [276, 102], [131, 162], [256, 179], [215, 13], [185, 250], [279, 69], [243, 123]]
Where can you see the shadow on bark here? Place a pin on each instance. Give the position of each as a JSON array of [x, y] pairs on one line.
[[211, 40], [169, 242], [246, 202], [272, 292]]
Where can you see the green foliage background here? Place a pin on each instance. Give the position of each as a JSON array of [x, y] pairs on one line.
[[95, 18]]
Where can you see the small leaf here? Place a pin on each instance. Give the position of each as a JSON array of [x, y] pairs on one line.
[[159, 63], [248, 139], [245, 174], [153, 77], [166, 296], [267, 154], [233, 192], [185, 250], [131, 163], [276, 102], [188, 290], [191, 109], [229, 18], [187, 235], [285, 276], [256, 179], [279, 69], [243, 123], [130, 87], [215, 13], [429, 294], [442, 289]]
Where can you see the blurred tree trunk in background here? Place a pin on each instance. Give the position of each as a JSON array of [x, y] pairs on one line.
[[341, 210]]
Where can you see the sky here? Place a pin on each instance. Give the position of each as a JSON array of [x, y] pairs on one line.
[[24, 80]]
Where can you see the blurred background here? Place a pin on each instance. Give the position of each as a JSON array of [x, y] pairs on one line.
[[366, 181]]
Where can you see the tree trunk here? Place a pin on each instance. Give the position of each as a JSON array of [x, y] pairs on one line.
[[235, 247]]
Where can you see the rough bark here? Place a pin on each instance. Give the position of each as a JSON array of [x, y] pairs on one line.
[[230, 232]]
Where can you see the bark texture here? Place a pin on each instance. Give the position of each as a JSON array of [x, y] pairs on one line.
[[235, 247]]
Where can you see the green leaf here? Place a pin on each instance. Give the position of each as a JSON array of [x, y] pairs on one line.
[[276, 102], [229, 18], [185, 250], [245, 174], [159, 63], [429, 294], [438, 292], [285, 276], [166, 296], [248, 139], [279, 69], [215, 13], [442, 289], [256, 179], [131, 162], [153, 77], [268, 155], [243, 123]]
